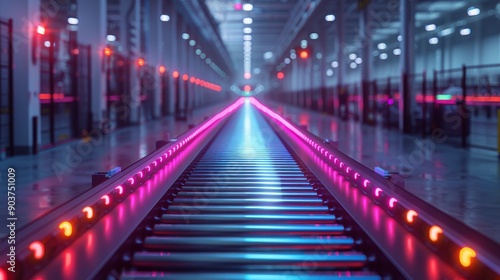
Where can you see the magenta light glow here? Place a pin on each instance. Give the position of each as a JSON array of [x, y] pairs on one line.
[[392, 201], [120, 189], [293, 131], [106, 199], [365, 183]]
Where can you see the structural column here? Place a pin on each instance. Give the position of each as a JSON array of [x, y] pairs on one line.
[[407, 62], [295, 82], [322, 69], [189, 71], [181, 65], [130, 39], [340, 57], [366, 32], [170, 53], [155, 53], [26, 60]]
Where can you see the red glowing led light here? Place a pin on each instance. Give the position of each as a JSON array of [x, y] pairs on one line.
[[280, 75], [410, 216], [141, 62], [304, 54], [120, 189], [197, 81], [192, 80], [106, 199], [40, 30], [38, 250], [238, 6], [107, 51], [466, 255], [67, 228], [47, 96], [392, 202], [185, 77], [434, 232], [247, 88], [162, 69], [175, 74], [89, 212]]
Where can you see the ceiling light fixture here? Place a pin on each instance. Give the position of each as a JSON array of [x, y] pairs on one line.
[[430, 27], [330, 17], [473, 11], [164, 18], [247, 7]]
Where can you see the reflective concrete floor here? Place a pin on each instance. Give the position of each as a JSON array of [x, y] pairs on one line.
[[465, 183], [56, 175]]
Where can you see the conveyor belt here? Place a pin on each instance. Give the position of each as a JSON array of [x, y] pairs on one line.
[[230, 200], [246, 210]]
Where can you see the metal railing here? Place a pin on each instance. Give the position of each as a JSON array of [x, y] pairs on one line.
[[462, 102], [65, 86]]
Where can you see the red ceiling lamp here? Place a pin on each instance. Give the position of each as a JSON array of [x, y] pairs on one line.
[[162, 69], [107, 51], [304, 54], [40, 30], [280, 75], [141, 62], [175, 74]]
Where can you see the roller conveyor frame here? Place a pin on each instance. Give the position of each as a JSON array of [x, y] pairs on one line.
[[48, 224]]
